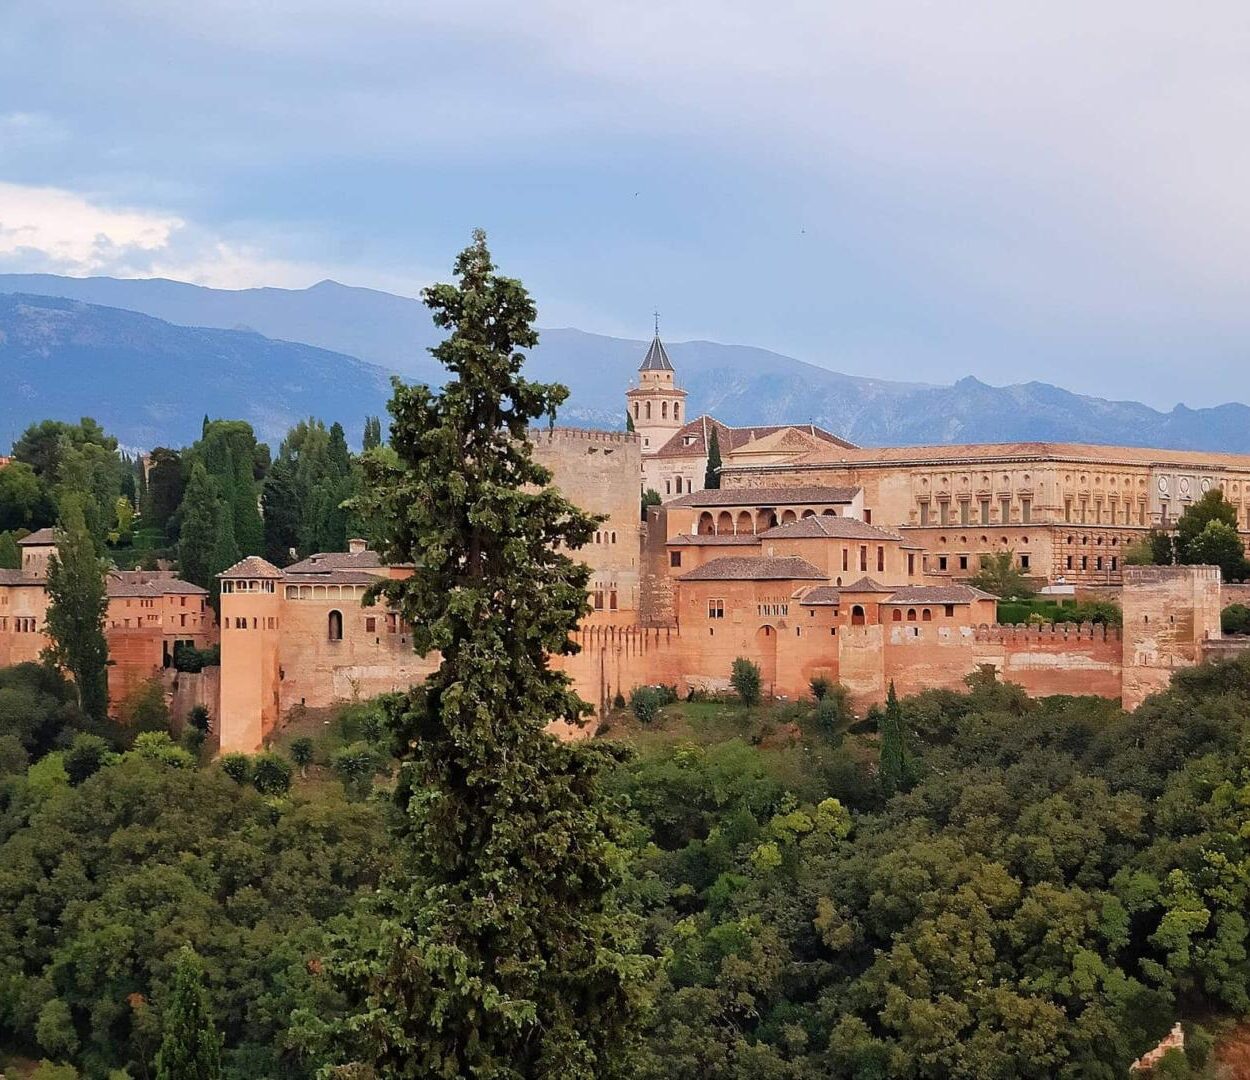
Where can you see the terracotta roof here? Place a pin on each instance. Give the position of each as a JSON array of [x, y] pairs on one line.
[[746, 568], [938, 594], [866, 584], [713, 539], [334, 577], [334, 560], [19, 577], [252, 567], [657, 357], [826, 525], [766, 497], [822, 595], [149, 583], [691, 439], [40, 537], [961, 453]]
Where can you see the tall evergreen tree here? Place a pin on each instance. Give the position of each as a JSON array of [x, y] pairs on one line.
[[711, 478], [629, 420], [373, 433], [505, 953], [10, 553], [895, 767], [249, 529], [77, 602], [282, 512], [225, 551], [199, 513], [165, 488], [190, 1043]]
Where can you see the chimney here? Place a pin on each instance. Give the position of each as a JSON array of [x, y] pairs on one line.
[[355, 545]]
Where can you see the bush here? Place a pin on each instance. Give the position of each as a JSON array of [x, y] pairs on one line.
[[1235, 619], [190, 659], [356, 765], [238, 767], [85, 756], [820, 686], [199, 719], [158, 746], [745, 679], [302, 753], [647, 701], [618, 702], [271, 773], [833, 712], [144, 708]]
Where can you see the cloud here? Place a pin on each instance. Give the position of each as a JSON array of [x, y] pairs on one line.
[[49, 230]]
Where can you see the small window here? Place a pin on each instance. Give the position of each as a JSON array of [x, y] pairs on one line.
[[371, 623], [950, 611], [336, 626], [674, 558], [941, 562], [926, 615], [716, 609]]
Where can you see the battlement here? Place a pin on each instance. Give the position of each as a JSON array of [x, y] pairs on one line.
[[1153, 575], [589, 435], [640, 637], [1024, 633]]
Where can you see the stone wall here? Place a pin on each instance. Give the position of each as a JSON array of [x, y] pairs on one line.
[[1169, 614]]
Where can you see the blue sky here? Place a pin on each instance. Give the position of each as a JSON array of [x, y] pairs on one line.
[[910, 190]]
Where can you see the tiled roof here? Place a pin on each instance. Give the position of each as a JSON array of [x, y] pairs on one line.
[[939, 594], [691, 439], [826, 525], [746, 568], [657, 357], [334, 560], [40, 537], [964, 453], [149, 583], [766, 497], [19, 577], [822, 595], [714, 539], [866, 584], [252, 567], [334, 577]]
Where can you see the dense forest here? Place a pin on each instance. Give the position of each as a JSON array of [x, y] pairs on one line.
[[1057, 884]]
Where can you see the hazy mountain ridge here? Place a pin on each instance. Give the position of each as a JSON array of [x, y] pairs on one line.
[[740, 384]]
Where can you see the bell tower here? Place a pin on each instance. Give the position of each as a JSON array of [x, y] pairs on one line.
[[657, 405]]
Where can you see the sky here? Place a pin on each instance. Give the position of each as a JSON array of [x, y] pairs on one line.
[[918, 191]]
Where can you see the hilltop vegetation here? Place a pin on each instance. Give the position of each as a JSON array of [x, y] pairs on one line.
[[1060, 884]]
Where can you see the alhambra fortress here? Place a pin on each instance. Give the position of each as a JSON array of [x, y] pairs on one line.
[[812, 557]]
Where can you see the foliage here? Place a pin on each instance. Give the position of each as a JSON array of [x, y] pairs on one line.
[[1219, 545], [144, 708], [711, 478], [820, 685], [271, 773], [86, 755], [372, 437], [647, 701], [896, 767], [650, 497], [312, 477], [1000, 575], [237, 766], [10, 553], [141, 858], [1212, 507], [78, 462], [745, 679], [24, 501], [190, 1043], [166, 484], [1235, 619], [1100, 612], [356, 765], [199, 719], [1141, 552], [77, 603], [833, 711], [302, 753], [199, 514], [505, 952], [188, 658]]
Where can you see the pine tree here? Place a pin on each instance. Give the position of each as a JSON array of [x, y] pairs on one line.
[[711, 479], [199, 529], [506, 954], [190, 1043], [77, 602], [895, 766]]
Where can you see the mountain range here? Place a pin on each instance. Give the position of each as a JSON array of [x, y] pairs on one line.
[[148, 357]]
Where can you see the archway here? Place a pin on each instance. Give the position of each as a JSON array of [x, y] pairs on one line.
[[809, 512], [788, 517], [857, 615], [765, 520], [828, 513], [725, 523], [707, 526], [745, 526]]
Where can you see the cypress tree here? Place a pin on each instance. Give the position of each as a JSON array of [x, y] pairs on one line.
[[225, 551], [190, 1043], [895, 766], [199, 529], [282, 512], [504, 953], [711, 478], [77, 601], [10, 553], [373, 433], [629, 420], [249, 529]]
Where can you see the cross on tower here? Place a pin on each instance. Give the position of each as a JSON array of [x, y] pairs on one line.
[[657, 323]]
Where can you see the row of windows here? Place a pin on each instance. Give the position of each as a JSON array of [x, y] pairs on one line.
[[599, 597], [240, 623], [985, 517], [22, 624], [605, 536], [1115, 515], [1113, 563], [250, 585], [774, 609], [962, 562], [926, 614], [674, 486]]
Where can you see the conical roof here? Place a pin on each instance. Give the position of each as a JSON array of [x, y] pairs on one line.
[[656, 358]]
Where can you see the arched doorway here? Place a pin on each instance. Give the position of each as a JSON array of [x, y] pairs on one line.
[[725, 523], [857, 615], [765, 520], [766, 654], [706, 525]]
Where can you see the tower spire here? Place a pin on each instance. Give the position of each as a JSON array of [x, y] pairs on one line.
[[657, 323]]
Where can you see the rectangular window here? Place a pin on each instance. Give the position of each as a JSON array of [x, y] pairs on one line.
[[716, 609], [911, 564], [880, 560], [1069, 562], [985, 511], [924, 513], [867, 517], [963, 562], [1114, 562], [846, 558], [1024, 562], [1004, 511], [950, 611], [674, 558], [863, 557], [668, 487], [944, 513], [1067, 509], [1098, 563], [371, 624], [1084, 562], [1026, 511], [941, 562], [964, 508]]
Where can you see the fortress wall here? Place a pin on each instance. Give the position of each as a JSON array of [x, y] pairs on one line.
[[657, 594], [135, 655], [1170, 612], [599, 471], [186, 689], [616, 659]]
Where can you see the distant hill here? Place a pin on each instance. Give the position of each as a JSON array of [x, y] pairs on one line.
[[150, 382], [739, 384]]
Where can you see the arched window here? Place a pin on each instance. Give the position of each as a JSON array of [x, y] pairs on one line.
[[635, 410], [896, 615], [676, 410], [857, 615], [926, 615], [664, 410], [336, 626], [648, 410], [911, 614]]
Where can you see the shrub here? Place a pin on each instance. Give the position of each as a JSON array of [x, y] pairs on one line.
[[158, 746], [190, 659], [833, 713], [199, 719], [85, 756], [618, 702], [192, 741], [271, 773], [302, 753], [238, 767], [646, 701], [356, 765], [1235, 619], [745, 679], [144, 708], [820, 686]]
